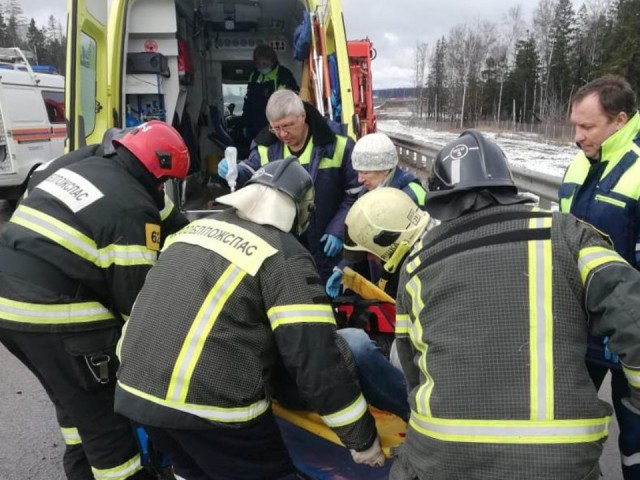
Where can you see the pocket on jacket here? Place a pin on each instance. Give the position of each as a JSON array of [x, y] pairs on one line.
[[94, 357]]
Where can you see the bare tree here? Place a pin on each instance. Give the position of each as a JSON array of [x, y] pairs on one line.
[[543, 20], [420, 69], [514, 28]]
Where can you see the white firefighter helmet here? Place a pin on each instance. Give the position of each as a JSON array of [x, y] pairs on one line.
[[380, 222]]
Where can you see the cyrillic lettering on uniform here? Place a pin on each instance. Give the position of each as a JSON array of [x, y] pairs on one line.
[[75, 191], [239, 246]]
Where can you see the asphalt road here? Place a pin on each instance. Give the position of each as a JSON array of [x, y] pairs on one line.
[[31, 446]]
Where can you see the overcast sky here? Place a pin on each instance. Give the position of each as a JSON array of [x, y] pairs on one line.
[[394, 26]]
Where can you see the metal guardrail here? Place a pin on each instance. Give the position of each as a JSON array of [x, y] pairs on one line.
[[418, 156]]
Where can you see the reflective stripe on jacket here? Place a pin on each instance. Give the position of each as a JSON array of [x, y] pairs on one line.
[[227, 300], [606, 193], [92, 230]]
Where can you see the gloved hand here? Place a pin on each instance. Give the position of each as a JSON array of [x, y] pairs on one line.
[[334, 284], [223, 168], [333, 245], [608, 354], [372, 456]]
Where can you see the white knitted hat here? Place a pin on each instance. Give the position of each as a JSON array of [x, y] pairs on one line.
[[374, 152]]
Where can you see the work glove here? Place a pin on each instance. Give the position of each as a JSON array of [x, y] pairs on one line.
[[608, 354], [334, 284], [223, 168], [372, 456], [333, 245]]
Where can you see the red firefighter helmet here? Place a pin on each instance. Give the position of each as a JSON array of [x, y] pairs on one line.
[[159, 147]]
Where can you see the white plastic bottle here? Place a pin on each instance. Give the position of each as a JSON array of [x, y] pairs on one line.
[[231, 154]]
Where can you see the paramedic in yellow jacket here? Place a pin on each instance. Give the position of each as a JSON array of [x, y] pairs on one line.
[[492, 319], [213, 321]]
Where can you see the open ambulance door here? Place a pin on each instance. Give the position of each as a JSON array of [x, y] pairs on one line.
[[87, 78], [333, 42]]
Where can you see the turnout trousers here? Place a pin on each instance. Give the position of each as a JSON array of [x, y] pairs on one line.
[[77, 370], [252, 452]]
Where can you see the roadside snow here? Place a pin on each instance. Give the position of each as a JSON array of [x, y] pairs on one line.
[[519, 148]]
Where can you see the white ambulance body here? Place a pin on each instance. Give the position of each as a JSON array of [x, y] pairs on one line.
[[32, 124]]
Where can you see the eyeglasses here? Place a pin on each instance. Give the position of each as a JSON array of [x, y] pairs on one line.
[[286, 128]]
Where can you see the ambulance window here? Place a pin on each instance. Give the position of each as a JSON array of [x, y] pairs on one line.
[[88, 48], [234, 93], [54, 101]]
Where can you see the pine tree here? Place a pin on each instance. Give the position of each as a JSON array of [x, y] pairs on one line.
[[36, 41], [523, 79], [560, 75]]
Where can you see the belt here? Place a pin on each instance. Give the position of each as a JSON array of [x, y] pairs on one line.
[[37, 271]]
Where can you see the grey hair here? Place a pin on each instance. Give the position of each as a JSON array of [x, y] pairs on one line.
[[282, 104]]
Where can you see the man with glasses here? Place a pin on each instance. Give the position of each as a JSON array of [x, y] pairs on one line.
[[602, 187], [297, 128]]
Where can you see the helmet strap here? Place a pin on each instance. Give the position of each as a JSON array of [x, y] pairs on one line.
[[396, 259]]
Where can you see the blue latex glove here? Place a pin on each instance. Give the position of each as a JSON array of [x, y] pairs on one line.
[[608, 354], [223, 168], [334, 284], [333, 245]]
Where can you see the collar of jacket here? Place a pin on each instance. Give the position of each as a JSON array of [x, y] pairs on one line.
[[140, 173], [320, 131], [614, 147]]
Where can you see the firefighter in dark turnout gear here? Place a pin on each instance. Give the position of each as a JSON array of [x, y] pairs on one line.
[[74, 256], [171, 219], [215, 317], [493, 312]]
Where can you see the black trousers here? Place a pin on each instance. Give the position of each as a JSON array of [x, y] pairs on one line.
[[82, 394], [252, 452]]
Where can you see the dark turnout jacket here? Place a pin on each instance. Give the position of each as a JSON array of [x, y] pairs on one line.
[[493, 310], [226, 302]]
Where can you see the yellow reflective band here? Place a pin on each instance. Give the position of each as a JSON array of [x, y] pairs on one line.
[[121, 472], [336, 160], [239, 246], [79, 244], [208, 412], [348, 415], [403, 324], [419, 192], [58, 314], [423, 394], [511, 431], [168, 208], [305, 157], [611, 201], [302, 313], [633, 376], [126, 256], [199, 332], [263, 152], [413, 264], [541, 389], [71, 436], [121, 340], [591, 258]]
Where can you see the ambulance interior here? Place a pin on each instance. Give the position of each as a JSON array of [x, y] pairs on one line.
[[188, 63]]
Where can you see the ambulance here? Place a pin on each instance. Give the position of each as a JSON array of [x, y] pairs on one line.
[[187, 61], [32, 120]]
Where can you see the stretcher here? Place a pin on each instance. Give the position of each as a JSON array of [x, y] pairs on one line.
[[318, 452]]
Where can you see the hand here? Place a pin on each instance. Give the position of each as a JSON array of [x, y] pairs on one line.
[[333, 245], [334, 284], [372, 456], [608, 354], [223, 168]]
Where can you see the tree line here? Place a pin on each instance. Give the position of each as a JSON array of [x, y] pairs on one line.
[[527, 71], [47, 44]]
